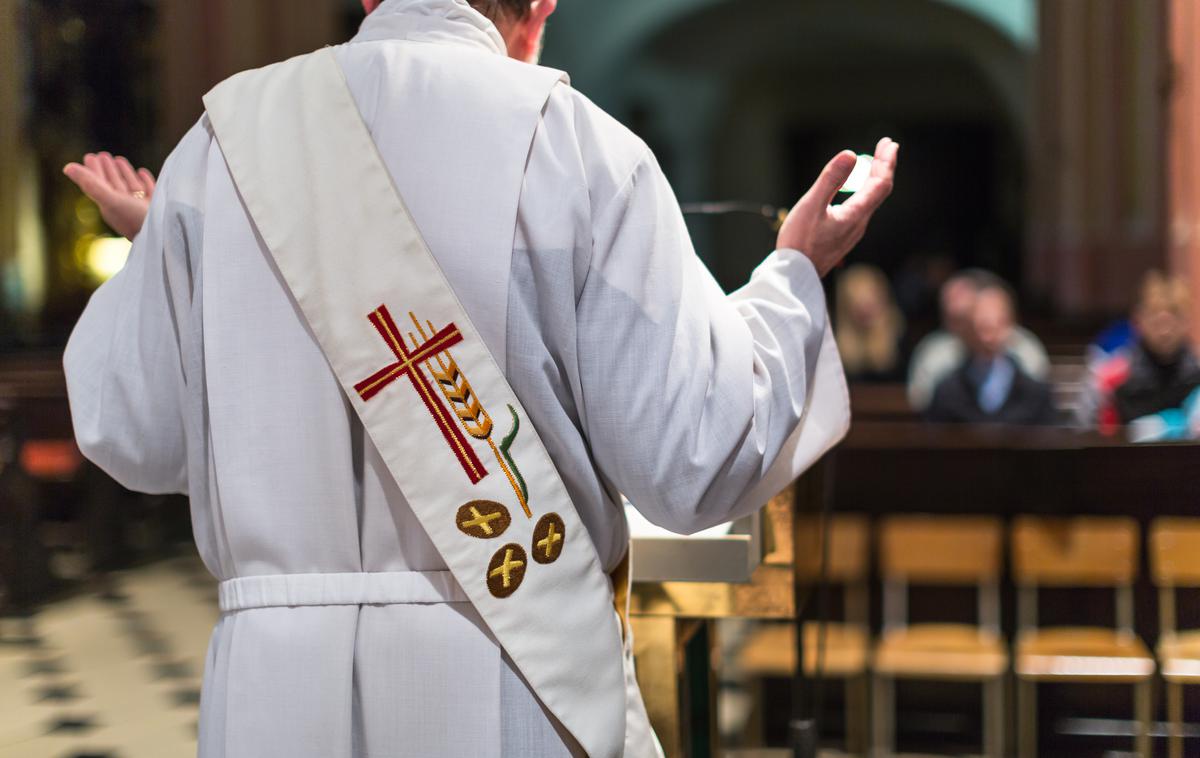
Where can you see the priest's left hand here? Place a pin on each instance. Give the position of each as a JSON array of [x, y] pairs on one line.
[[826, 232], [122, 193]]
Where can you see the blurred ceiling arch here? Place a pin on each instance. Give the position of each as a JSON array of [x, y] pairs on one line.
[[731, 94], [603, 45], [1015, 18]]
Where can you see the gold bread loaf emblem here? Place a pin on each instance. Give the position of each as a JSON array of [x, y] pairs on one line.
[[506, 570], [484, 519], [548, 538]]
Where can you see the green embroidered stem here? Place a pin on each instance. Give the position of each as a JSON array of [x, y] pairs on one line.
[[505, 444]]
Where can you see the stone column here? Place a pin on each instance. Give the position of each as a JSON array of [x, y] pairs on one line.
[[1098, 202], [1183, 150], [23, 266], [10, 124], [205, 42]]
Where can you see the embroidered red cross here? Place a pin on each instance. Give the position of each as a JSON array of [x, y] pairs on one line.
[[409, 364]]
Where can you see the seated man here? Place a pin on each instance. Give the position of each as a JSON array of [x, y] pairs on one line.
[[1162, 368], [989, 386], [940, 353]]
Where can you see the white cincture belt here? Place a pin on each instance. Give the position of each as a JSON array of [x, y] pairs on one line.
[[382, 588]]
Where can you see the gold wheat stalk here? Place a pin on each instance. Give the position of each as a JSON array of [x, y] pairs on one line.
[[475, 419]]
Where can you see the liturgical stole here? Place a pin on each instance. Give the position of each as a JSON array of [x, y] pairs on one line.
[[428, 391]]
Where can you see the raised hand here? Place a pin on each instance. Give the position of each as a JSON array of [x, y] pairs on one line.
[[122, 193], [826, 233]]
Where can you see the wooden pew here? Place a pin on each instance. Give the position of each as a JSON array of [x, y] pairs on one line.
[[891, 465]]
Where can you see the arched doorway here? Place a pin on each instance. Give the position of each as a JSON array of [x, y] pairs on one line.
[[746, 100]]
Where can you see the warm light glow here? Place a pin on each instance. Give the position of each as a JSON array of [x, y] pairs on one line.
[[86, 212], [106, 256], [858, 177]]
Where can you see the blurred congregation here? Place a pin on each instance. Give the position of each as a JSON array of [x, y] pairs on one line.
[[1138, 377], [1001, 555]]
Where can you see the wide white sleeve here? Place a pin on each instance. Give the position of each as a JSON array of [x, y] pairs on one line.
[[935, 357], [124, 364], [695, 402], [1030, 353]]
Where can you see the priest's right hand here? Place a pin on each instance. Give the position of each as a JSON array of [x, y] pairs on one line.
[[122, 194], [826, 233]]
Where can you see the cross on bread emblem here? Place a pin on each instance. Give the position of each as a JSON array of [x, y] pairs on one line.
[[550, 542], [482, 521], [506, 570], [548, 538]]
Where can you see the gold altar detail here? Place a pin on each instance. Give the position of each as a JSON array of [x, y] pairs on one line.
[[666, 616]]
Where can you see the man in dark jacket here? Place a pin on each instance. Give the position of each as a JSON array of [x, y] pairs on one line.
[[1163, 370], [989, 387]]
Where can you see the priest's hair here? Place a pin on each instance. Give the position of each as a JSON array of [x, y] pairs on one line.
[[502, 9]]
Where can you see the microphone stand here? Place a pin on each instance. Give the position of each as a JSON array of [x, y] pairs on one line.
[[813, 502], [813, 505]]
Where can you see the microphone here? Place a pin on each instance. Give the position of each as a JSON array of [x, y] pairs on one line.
[[769, 213]]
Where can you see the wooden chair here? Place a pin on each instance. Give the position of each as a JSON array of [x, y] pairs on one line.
[[945, 551], [840, 650], [1175, 563], [1077, 552]]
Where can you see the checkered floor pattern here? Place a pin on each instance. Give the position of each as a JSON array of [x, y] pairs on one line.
[[110, 677], [118, 676]]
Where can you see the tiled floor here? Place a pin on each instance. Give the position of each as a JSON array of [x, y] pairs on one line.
[[115, 678], [118, 678]]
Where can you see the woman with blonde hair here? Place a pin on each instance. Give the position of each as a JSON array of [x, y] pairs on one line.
[[869, 326]]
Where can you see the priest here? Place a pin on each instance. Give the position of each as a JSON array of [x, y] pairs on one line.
[[405, 318]]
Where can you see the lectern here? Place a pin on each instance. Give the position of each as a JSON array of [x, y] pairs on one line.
[[766, 566]]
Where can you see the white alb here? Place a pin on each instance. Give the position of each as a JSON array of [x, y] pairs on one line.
[[194, 371]]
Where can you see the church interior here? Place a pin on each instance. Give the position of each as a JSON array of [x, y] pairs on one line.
[[949, 580]]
